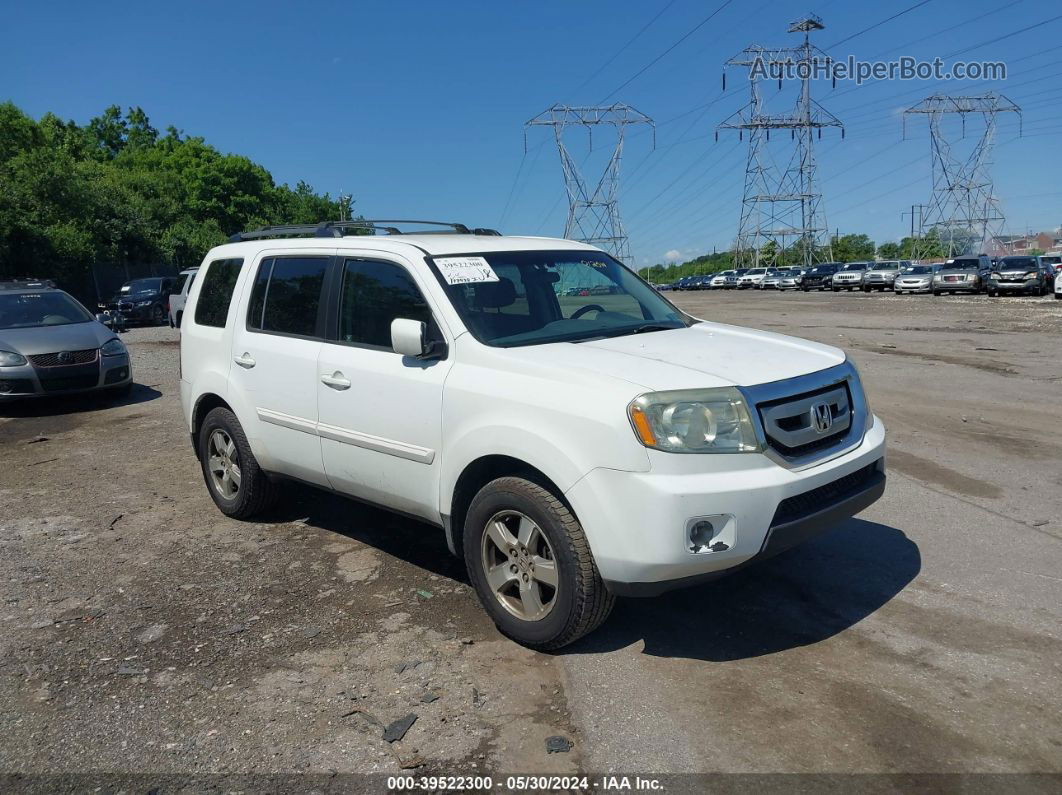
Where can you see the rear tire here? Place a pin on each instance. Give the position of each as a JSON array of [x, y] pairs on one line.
[[512, 526], [236, 483]]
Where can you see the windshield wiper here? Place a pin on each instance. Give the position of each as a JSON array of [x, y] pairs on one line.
[[653, 327]]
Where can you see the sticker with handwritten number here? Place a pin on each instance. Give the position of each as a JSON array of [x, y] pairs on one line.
[[465, 270]]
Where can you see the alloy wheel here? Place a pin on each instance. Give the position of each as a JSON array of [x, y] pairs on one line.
[[223, 460], [519, 565]]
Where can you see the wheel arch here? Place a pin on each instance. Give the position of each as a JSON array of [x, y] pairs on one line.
[[478, 473], [203, 406]]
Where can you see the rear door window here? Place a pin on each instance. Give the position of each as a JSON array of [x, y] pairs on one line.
[[212, 308]]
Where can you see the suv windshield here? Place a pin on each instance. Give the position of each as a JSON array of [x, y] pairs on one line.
[[965, 265], [886, 266], [526, 297], [756, 271], [30, 310], [1017, 262], [141, 286], [855, 266]]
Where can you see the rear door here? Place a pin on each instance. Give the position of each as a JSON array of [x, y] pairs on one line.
[[275, 346], [380, 412]]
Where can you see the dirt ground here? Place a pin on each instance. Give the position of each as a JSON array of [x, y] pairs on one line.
[[144, 631]]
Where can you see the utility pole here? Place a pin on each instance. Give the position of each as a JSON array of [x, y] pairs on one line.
[[782, 205], [593, 214], [963, 215], [916, 209]]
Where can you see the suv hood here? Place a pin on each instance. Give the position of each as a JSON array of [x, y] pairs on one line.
[[53, 339], [703, 355]]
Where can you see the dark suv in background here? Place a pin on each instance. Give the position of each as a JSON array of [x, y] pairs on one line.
[[818, 278], [143, 300], [1021, 275]]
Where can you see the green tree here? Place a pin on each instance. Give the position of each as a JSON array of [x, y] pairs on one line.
[[890, 251], [852, 248]]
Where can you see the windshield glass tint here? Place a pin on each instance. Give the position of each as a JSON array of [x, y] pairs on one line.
[[920, 269], [855, 266], [964, 265], [558, 296], [1008, 263], [142, 286], [28, 310], [886, 266]]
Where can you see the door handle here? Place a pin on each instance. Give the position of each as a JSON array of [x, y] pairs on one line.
[[336, 380], [245, 360]]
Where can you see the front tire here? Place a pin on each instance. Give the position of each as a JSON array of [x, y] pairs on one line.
[[236, 483], [158, 315], [531, 565]]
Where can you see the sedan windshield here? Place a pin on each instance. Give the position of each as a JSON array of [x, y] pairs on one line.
[[30, 310], [142, 286], [524, 297]]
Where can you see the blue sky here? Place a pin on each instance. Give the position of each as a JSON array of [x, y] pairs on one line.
[[418, 108]]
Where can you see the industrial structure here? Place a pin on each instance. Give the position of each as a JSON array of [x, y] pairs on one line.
[[782, 208], [593, 212], [963, 215]]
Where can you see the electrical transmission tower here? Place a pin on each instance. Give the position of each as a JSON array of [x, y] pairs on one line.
[[782, 208], [593, 215], [963, 215]]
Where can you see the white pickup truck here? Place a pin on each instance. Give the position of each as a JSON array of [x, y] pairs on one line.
[[574, 434]]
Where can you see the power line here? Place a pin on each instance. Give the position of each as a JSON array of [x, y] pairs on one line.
[[879, 24], [631, 41], [653, 62]]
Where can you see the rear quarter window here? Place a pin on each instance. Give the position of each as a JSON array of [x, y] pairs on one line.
[[215, 295]]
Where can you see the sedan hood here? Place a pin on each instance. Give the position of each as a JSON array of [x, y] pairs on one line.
[[703, 355], [53, 339]]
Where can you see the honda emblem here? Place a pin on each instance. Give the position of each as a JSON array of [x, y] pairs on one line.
[[821, 417]]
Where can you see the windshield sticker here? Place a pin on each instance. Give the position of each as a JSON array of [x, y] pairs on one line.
[[465, 270]]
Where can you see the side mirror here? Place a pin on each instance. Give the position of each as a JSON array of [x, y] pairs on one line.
[[410, 338], [104, 319], [407, 336]]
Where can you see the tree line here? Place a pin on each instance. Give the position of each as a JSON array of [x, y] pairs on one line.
[[117, 191]]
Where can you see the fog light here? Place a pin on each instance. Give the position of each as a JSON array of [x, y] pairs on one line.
[[705, 534]]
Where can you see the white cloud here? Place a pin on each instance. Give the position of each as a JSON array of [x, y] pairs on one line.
[[673, 255]]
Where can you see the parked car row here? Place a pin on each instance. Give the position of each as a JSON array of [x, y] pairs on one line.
[[1033, 275]]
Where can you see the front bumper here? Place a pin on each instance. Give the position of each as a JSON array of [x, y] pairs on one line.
[[28, 381], [922, 286], [1030, 286], [847, 283], [958, 287], [637, 522]]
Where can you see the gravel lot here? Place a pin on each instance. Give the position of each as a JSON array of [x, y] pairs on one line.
[[144, 631]]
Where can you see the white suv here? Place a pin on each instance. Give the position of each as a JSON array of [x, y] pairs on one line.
[[574, 434]]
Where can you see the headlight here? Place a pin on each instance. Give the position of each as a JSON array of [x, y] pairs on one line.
[[113, 347], [993, 275], [11, 359], [143, 303], [694, 421], [1031, 275]]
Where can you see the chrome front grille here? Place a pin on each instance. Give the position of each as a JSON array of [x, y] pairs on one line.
[[810, 422], [805, 420], [64, 358]]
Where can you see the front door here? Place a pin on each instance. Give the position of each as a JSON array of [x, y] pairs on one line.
[[380, 412]]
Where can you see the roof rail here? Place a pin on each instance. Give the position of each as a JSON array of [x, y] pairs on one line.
[[337, 229]]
